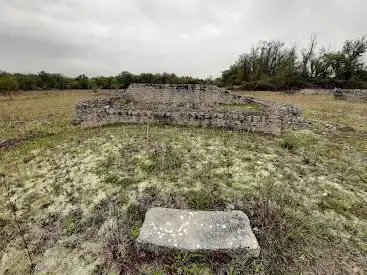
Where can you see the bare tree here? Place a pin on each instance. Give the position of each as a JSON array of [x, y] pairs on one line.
[[307, 58]]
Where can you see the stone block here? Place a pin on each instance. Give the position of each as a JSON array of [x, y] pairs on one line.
[[206, 231]]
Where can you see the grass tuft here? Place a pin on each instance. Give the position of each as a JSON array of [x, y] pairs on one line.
[[204, 199]]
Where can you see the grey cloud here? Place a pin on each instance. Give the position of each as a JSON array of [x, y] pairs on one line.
[[22, 46], [197, 37]]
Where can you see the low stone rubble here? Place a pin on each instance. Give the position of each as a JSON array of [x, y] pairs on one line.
[[189, 105], [350, 95]]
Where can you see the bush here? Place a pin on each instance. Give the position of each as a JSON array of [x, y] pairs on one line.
[[290, 142]]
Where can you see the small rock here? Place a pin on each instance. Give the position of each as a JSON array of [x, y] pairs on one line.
[[230, 206]]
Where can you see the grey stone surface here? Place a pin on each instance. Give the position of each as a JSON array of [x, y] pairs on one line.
[[350, 95], [207, 231], [189, 105]]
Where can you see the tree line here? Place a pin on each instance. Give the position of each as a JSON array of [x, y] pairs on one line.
[[271, 65], [52, 81]]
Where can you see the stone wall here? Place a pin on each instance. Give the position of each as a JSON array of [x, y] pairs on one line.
[[171, 94], [350, 95], [188, 105]]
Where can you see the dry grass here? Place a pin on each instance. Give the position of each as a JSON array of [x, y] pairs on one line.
[[321, 107], [81, 194], [34, 112]]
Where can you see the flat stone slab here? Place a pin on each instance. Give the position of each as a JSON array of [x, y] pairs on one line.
[[210, 231]]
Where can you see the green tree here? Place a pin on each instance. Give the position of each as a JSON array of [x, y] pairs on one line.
[[125, 79], [44, 80], [83, 81], [270, 63], [8, 84], [353, 50]]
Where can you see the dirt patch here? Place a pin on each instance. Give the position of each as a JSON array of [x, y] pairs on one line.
[[11, 143]]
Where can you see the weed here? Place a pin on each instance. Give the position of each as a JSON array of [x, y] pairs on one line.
[[163, 158], [109, 162], [70, 226], [123, 199], [124, 182], [290, 142], [134, 232], [204, 199], [135, 214], [201, 199], [297, 140], [119, 247], [72, 223]]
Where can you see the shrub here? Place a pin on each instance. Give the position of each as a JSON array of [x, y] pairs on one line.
[[289, 142], [296, 140]]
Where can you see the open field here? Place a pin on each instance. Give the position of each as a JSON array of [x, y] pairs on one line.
[[74, 199], [39, 112], [321, 107]]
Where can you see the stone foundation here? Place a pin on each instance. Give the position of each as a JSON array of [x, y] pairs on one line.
[[350, 95], [188, 105]]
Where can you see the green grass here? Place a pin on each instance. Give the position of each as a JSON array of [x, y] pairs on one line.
[[82, 194], [298, 140], [204, 199]]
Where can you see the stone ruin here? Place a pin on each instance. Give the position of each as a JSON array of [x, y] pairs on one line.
[[350, 95], [188, 105]]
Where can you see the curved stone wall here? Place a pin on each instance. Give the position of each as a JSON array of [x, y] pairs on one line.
[[188, 105]]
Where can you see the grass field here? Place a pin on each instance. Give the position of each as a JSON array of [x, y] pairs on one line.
[[39, 112], [322, 107], [74, 199]]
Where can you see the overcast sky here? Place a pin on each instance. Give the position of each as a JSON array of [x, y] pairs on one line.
[[193, 37]]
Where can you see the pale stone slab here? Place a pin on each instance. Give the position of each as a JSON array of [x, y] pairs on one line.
[[210, 231]]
